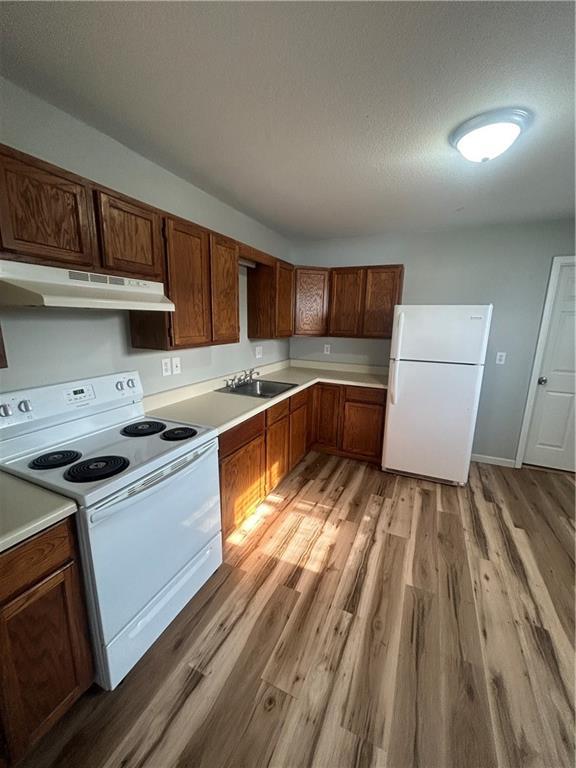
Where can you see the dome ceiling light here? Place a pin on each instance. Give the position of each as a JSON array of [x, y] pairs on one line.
[[488, 135]]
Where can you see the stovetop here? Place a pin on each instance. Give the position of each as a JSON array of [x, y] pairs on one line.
[[90, 467]]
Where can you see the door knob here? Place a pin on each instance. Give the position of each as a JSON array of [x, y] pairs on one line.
[[543, 380]]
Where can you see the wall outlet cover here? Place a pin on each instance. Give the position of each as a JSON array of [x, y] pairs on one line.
[[166, 367], [176, 366], [327, 349], [500, 358], [258, 352]]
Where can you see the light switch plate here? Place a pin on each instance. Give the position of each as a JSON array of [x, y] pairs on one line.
[[500, 358], [258, 352], [327, 349], [176, 366], [166, 367]]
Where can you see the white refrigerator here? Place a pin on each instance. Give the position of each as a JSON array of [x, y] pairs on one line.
[[436, 366]]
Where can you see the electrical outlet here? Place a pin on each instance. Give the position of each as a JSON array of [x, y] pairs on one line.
[[327, 348], [166, 367], [258, 352], [500, 358], [176, 366]]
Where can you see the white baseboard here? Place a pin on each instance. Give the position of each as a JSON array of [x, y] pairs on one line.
[[493, 460]]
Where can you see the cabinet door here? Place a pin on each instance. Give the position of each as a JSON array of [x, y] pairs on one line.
[[383, 292], [284, 299], [346, 294], [188, 249], [242, 483], [45, 661], [362, 429], [277, 452], [311, 302], [46, 214], [298, 437], [131, 237], [224, 286], [327, 405]]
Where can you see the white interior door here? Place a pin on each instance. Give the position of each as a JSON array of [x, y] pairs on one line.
[[550, 440]]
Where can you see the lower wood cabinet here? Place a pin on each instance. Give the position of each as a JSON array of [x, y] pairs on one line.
[[256, 455], [45, 657], [277, 452], [298, 434], [326, 415], [349, 420]]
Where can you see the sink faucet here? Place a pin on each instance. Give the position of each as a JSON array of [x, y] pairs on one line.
[[243, 378]]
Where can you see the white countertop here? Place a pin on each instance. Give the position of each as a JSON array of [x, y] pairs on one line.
[[26, 509], [221, 410]]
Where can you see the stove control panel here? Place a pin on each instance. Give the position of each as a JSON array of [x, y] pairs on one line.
[[80, 394], [27, 410]]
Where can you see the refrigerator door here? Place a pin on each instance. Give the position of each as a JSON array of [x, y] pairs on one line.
[[447, 334], [430, 418]]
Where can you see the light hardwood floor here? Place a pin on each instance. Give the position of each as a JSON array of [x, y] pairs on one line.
[[361, 619]]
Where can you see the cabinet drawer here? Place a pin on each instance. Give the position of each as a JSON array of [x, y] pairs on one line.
[[365, 395], [277, 412], [236, 437], [297, 401], [32, 560]]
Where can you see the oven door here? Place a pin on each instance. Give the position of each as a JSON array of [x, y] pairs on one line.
[[143, 541]]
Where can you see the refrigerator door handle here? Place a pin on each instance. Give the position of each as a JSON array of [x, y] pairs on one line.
[[397, 341], [394, 383]]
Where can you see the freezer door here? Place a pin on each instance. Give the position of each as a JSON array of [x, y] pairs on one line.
[[448, 334], [430, 419]]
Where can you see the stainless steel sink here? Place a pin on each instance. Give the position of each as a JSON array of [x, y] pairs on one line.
[[259, 388]]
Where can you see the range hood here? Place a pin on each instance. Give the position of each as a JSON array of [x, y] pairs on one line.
[[32, 285]]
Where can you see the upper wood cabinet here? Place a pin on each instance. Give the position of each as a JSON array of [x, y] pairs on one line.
[[202, 281], [46, 215], [130, 237], [382, 292], [311, 302], [271, 300], [362, 300], [284, 320], [188, 251], [346, 297], [224, 289]]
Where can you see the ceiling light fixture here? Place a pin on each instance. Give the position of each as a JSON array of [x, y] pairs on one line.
[[488, 135]]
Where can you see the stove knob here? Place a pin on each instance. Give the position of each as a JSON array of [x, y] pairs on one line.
[[131, 383], [119, 386], [5, 410], [25, 406]]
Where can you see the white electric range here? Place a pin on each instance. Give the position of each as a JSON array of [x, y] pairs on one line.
[[148, 497]]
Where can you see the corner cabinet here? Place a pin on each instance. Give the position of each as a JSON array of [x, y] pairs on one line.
[[45, 656], [130, 237], [46, 214]]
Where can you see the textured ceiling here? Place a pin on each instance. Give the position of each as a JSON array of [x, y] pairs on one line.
[[319, 119]]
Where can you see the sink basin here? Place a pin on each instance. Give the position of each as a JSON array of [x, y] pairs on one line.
[[259, 388]]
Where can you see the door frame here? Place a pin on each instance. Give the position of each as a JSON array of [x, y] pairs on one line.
[[557, 263]]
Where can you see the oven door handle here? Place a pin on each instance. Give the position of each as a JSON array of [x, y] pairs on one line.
[[106, 508]]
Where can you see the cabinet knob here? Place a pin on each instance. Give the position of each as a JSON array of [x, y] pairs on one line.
[[543, 380]]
